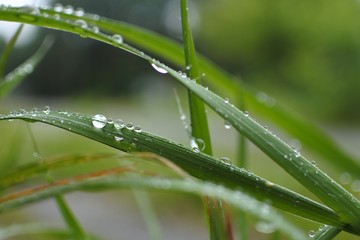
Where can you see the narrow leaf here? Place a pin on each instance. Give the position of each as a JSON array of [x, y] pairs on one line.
[[199, 165]]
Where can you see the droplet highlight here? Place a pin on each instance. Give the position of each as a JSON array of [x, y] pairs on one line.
[[99, 121]]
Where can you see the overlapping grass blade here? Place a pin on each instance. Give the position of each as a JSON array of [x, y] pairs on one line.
[[21, 72], [301, 128], [219, 221], [199, 165], [8, 49], [235, 198]]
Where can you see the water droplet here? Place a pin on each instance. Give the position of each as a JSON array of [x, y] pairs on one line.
[[68, 9], [118, 139], [95, 29], [265, 227], [246, 113], [36, 155], [225, 160], [81, 23], [58, 7], [159, 69], [188, 67], [138, 129], [345, 178], [130, 126], [226, 100], [30, 9], [313, 163], [46, 110], [311, 233], [99, 121], [79, 12], [117, 38], [200, 143], [28, 68], [355, 186], [227, 125], [119, 124]]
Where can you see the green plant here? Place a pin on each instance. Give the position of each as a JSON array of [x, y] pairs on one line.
[[172, 166]]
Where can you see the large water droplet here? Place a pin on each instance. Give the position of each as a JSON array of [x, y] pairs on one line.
[[68, 9], [99, 121], [225, 160], [246, 113], [117, 38], [79, 12], [130, 126], [265, 227], [58, 7], [159, 69], [119, 124]]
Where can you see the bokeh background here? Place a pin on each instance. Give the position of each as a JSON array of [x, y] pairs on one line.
[[304, 53]]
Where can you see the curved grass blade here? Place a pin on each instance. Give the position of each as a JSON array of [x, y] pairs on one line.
[[311, 136], [21, 72], [32, 229], [306, 172], [278, 154], [8, 48], [235, 198], [301, 128], [197, 164]]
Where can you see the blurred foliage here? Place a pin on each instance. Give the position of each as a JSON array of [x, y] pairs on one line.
[[309, 50]]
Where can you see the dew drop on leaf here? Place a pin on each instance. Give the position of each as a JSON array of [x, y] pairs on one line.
[[79, 12], [138, 129], [99, 121], [159, 69], [227, 125], [46, 110], [119, 124], [118, 139], [81, 23], [117, 38], [130, 126], [58, 7], [311, 233], [68, 9]]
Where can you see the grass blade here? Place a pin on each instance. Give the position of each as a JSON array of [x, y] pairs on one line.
[[218, 220], [8, 49], [236, 198], [25, 69], [326, 233], [150, 219], [199, 165]]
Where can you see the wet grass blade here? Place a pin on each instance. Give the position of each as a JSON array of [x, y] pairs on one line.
[[21, 72], [309, 135], [326, 233], [8, 49], [219, 222], [236, 198], [197, 164]]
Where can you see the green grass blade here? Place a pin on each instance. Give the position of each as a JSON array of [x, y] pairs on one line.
[[197, 164], [319, 183], [302, 129], [21, 72], [77, 232], [150, 219], [236, 198], [219, 222], [8, 49], [23, 230], [310, 136], [326, 233]]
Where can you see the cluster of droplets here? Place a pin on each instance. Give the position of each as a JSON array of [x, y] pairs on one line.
[[99, 121], [57, 12]]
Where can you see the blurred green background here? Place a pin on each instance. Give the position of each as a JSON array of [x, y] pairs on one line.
[[304, 53]]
